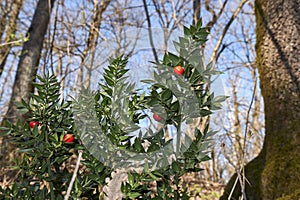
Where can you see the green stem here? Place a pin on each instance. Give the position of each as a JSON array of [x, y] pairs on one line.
[[52, 197], [178, 139]]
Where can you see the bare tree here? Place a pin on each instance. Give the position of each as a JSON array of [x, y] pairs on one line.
[[99, 8]]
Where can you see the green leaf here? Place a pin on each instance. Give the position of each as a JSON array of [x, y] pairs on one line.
[[133, 195], [166, 59], [153, 176], [2, 128], [175, 166], [130, 179], [124, 188], [122, 72], [174, 59], [183, 53], [199, 24], [109, 73], [30, 150], [205, 158], [186, 31], [175, 106], [153, 147], [37, 98], [109, 80], [205, 112], [166, 95], [147, 81], [195, 59], [177, 46], [5, 131], [20, 105], [220, 98], [183, 42], [137, 145]]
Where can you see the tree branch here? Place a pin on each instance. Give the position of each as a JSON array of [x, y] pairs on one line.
[[150, 31], [215, 54], [74, 175]]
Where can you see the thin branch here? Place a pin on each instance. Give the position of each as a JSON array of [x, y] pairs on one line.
[[214, 56], [150, 31], [243, 181], [242, 184], [232, 190], [74, 176], [246, 132], [156, 6], [16, 42], [214, 16]]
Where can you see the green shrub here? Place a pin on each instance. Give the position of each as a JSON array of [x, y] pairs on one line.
[[46, 162]]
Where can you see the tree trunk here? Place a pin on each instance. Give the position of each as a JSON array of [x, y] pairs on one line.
[[28, 63], [11, 27], [275, 173], [278, 50], [196, 11], [30, 57]]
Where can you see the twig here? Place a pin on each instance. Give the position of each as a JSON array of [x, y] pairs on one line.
[[243, 181], [238, 177], [150, 31], [14, 42], [215, 55], [74, 175], [242, 185], [234, 185], [245, 134]]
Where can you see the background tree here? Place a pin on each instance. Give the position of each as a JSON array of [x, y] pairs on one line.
[[274, 174], [29, 61], [92, 41], [9, 16], [232, 25]]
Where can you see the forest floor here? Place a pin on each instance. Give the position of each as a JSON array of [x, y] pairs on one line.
[[202, 189], [197, 188]]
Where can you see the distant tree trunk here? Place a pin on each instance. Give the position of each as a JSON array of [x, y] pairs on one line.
[[196, 11], [5, 8], [10, 29], [30, 57], [29, 61], [99, 8], [275, 173]]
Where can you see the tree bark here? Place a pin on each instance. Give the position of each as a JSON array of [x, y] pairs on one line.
[[278, 50], [28, 63], [30, 57], [275, 173]]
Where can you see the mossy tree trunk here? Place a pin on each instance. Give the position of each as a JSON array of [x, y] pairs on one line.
[[275, 173]]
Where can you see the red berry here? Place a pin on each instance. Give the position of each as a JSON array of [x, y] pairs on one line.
[[178, 70], [68, 138], [156, 117], [33, 123]]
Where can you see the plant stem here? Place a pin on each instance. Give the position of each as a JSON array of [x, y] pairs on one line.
[[178, 139], [74, 175]]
